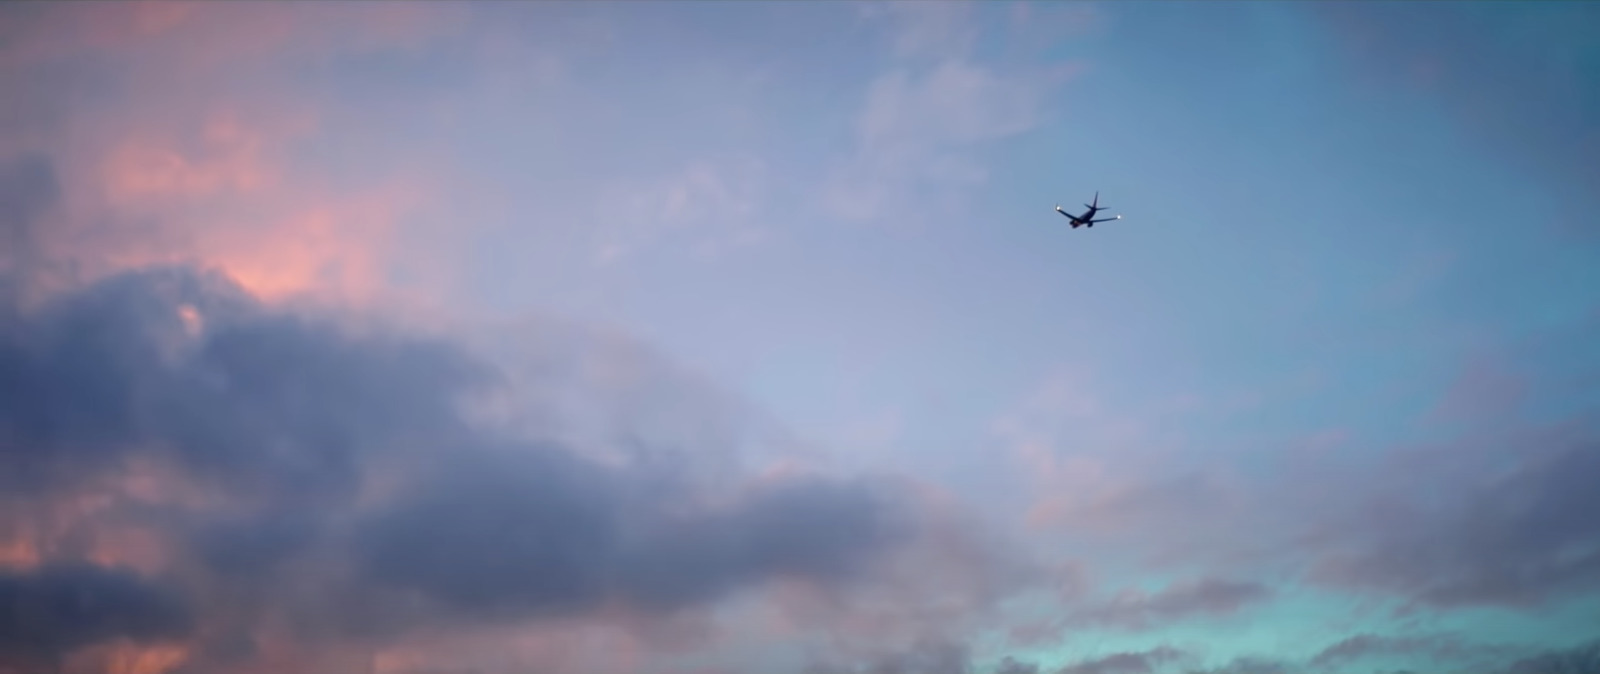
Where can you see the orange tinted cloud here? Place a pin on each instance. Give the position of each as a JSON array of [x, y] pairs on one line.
[[184, 163], [125, 657], [340, 247], [19, 552], [83, 523]]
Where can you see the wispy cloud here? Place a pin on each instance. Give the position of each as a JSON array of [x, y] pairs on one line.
[[926, 117], [707, 209]]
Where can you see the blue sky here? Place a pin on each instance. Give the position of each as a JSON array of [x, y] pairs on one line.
[[1317, 401]]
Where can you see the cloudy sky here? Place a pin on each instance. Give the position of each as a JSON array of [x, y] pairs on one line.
[[706, 338]]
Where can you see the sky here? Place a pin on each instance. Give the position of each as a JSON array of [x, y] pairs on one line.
[[703, 338]]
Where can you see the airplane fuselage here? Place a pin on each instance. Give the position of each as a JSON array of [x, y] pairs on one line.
[[1079, 220], [1088, 216]]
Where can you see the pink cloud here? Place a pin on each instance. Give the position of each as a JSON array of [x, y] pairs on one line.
[[201, 39], [182, 164], [1487, 386], [230, 159]]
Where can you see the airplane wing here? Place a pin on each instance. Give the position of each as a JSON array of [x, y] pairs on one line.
[[1118, 217]]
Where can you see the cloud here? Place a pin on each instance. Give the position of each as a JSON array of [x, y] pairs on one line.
[[539, 533], [1249, 665], [707, 207], [952, 579], [1485, 387], [1436, 646], [925, 657], [923, 120], [209, 40], [1581, 659], [1511, 536], [256, 400], [941, 656], [1036, 26], [1484, 513], [179, 133], [54, 609], [918, 129], [930, 30], [1136, 610], [344, 491], [1447, 652], [1487, 513], [1142, 662], [224, 189], [28, 187]]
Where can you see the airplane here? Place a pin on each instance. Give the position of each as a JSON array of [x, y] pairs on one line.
[[1088, 216]]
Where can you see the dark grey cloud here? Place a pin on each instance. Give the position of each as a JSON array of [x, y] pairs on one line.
[[1179, 601], [269, 404], [1438, 647], [1367, 645], [521, 534], [1250, 665], [1521, 537], [1581, 659], [811, 528], [1140, 662], [288, 419], [280, 403], [930, 657], [1448, 652], [47, 612], [249, 547], [525, 532]]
